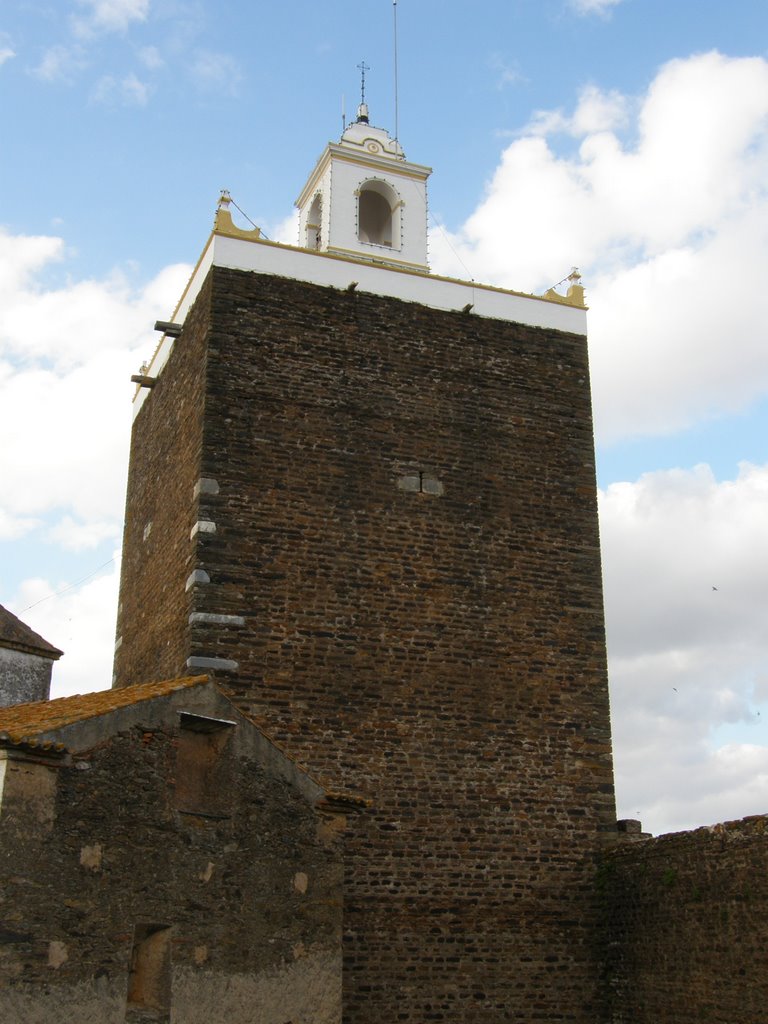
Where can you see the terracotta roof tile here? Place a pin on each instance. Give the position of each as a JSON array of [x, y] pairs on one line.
[[23, 722], [17, 635]]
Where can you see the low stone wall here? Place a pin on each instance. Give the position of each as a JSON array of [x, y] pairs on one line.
[[687, 926]]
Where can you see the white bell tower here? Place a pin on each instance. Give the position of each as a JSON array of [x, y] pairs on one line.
[[364, 200]]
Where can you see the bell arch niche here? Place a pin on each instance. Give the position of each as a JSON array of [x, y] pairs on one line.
[[378, 214], [314, 222]]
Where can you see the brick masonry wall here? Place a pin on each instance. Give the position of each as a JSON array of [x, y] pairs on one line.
[[160, 513], [406, 522], [253, 898], [687, 926]]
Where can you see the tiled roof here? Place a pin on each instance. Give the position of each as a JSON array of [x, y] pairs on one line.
[[16, 634], [23, 722]]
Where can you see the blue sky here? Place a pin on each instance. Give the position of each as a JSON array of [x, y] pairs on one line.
[[105, 130], [628, 137]]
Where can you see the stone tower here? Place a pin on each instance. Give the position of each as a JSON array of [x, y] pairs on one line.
[[364, 498]]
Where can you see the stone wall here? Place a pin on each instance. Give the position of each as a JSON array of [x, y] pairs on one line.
[[404, 585], [687, 926], [242, 902]]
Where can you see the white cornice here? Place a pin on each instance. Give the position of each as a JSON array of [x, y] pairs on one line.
[[263, 257]]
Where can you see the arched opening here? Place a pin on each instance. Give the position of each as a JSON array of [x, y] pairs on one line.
[[378, 215], [314, 222]]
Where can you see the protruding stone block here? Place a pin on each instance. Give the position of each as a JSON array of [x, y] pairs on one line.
[[197, 577], [213, 664], [202, 526], [216, 620], [205, 485]]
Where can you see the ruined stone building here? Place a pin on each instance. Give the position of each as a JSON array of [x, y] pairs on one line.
[[154, 845], [362, 501]]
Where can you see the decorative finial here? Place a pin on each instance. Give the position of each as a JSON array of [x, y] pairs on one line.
[[362, 110], [575, 294], [575, 291]]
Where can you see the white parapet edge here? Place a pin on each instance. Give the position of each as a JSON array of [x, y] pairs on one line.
[[264, 257]]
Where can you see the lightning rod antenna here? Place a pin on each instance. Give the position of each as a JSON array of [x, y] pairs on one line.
[[362, 110], [394, 16], [343, 114], [363, 67]]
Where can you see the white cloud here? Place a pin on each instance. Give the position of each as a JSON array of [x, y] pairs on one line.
[[151, 58], [60, 63], [109, 15], [64, 61], [78, 619], [67, 440], [67, 356], [71, 535], [22, 257], [596, 111], [687, 661], [586, 7], [69, 327], [216, 72], [7, 51], [14, 527], [134, 91], [680, 336], [287, 230], [507, 74], [127, 92], [662, 226]]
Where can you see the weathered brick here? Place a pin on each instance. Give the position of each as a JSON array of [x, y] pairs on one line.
[[686, 926], [437, 649]]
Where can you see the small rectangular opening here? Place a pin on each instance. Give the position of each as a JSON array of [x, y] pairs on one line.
[[149, 983], [203, 769]]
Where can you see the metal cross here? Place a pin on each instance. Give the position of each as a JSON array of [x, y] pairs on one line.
[[363, 68]]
